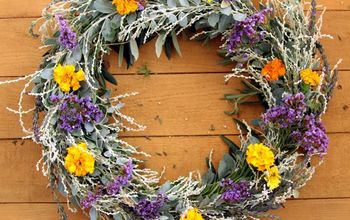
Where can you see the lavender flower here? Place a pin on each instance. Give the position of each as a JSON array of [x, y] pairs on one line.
[[67, 37], [247, 30], [235, 192], [75, 111], [149, 210], [121, 181], [288, 114], [312, 136]]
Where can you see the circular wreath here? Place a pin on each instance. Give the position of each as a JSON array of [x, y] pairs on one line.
[[275, 48]]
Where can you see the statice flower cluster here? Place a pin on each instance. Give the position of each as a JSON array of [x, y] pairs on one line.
[[150, 209], [111, 189], [90, 199], [121, 181], [67, 38], [235, 192], [75, 112], [289, 113], [246, 30], [312, 136]]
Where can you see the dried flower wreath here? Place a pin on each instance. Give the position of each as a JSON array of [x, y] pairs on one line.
[[276, 51]]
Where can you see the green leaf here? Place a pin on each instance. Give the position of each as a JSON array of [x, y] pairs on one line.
[[134, 48], [120, 55], [159, 44], [104, 6], [184, 3], [109, 77], [234, 148], [176, 43], [213, 19], [171, 3], [93, 214]]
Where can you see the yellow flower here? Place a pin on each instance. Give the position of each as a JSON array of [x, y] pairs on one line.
[[125, 7], [310, 77], [273, 178], [79, 161], [67, 78], [273, 70], [260, 156], [192, 214]]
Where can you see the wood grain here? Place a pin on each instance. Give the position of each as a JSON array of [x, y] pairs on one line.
[[32, 8], [20, 55], [180, 104], [20, 182]]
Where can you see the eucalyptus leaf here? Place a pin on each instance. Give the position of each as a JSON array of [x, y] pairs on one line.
[[47, 74], [121, 55], [226, 11], [176, 43], [159, 44], [213, 19], [171, 3], [183, 20], [239, 16], [93, 214], [184, 3], [104, 6], [134, 48]]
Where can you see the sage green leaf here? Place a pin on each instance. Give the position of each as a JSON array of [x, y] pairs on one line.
[[172, 18], [159, 44], [239, 16], [134, 48], [93, 214], [176, 43], [104, 6], [184, 3], [226, 11], [115, 22], [213, 19], [171, 3], [120, 55], [47, 74], [183, 20]]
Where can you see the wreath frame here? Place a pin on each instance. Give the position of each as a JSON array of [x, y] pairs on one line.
[[276, 48]]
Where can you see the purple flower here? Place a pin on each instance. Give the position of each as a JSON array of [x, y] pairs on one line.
[[288, 114], [67, 37], [75, 111], [246, 29], [90, 199], [149, 210], [235, 192], [112, 189], [312, 136], [121, 181]]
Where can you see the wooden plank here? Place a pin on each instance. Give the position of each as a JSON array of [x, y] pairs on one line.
[[35, 212], [32, 8], [318, 209], [23, 58], [179, 155], [21, 9], [180, 104]]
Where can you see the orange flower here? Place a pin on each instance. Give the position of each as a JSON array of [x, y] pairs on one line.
[[273, 70]]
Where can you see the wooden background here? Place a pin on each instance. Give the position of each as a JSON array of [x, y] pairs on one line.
[[180, 104]]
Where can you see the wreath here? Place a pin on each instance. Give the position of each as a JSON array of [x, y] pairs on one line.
[[273, 47]]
